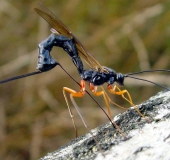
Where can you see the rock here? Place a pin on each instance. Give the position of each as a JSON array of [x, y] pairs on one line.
[[149, 141]]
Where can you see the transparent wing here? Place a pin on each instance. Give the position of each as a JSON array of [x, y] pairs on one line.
[[61, 28]]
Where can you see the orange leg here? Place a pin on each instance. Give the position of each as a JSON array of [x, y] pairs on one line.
[[106, 99], [101, 93], [78, 94], [81, 94], [110, 101], [125, 95], [74, 94], [120, 92]]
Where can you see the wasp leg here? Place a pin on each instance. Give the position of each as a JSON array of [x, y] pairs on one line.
[[129, 99], [85, 123], [106, 99], [120, 92], [73, 94], [101, 93], [110, 101]]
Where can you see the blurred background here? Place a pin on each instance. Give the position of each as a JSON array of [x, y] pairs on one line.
[[128, 36]]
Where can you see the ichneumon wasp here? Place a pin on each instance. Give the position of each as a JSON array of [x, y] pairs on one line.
[[97, 75]]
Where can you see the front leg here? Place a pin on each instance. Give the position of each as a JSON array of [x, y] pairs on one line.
[[115, 90]]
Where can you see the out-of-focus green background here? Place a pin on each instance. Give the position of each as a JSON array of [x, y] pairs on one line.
[[128, 36]]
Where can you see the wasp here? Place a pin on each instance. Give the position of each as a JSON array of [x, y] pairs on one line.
[[96, 76]]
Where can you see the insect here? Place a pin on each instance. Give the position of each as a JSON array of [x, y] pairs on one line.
[[51, 63], [96, 76]]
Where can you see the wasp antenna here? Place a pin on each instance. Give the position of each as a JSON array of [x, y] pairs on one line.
[[141, 79], [19, 77], [154, 70]]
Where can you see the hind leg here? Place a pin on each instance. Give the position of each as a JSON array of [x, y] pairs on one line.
[[73, 93]]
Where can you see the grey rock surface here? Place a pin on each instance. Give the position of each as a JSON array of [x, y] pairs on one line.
[[149, 141]]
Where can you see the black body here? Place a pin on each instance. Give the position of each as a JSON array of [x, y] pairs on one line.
[[99, 78], [46, 62]]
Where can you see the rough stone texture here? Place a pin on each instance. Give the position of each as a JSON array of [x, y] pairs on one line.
[[149, 141]]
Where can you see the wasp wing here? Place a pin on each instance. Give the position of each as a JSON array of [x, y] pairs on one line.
[[58, 25], [61, 28]]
